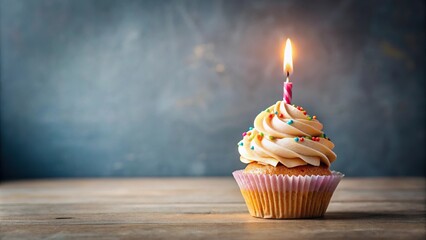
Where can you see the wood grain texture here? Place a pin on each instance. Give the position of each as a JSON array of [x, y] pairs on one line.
[[201, 208]]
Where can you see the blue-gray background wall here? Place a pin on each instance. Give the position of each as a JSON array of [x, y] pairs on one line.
[[165, 88]]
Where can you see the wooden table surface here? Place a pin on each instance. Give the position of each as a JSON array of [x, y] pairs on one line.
[[201, 208]]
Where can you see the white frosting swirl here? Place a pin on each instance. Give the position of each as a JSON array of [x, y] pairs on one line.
[[285, 134]]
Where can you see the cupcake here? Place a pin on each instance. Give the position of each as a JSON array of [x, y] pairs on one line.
[[288, 159]]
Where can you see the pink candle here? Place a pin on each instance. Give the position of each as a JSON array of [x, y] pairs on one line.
[[287, 92], [288, 69]]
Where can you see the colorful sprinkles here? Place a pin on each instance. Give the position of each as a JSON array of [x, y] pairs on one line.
[[260, 135], [304, 112], [315, 139], [252, 137]]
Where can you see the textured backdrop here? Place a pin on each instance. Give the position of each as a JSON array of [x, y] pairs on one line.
[[165, 88]]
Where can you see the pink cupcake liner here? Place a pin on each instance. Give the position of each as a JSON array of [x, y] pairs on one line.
[[283, 196]]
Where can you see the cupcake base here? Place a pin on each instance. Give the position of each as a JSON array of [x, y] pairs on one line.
[[286, 197]]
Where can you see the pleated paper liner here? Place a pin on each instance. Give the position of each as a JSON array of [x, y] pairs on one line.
[[283, 196]]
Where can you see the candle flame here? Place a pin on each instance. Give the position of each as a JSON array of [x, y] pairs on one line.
[[288, 59]]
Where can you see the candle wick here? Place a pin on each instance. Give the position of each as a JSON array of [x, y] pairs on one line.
[[288, 74]]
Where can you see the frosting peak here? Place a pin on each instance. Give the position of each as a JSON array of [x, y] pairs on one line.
[[284, 133]]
